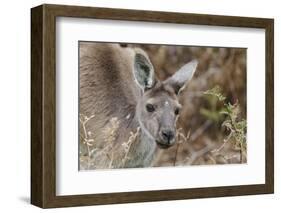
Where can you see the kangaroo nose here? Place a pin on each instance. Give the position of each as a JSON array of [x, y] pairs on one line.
[[168, 135]]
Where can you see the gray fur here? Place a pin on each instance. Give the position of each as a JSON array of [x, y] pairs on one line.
[[117, 82]]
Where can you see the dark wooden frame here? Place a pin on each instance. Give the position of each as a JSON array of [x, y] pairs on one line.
[[43, 105]]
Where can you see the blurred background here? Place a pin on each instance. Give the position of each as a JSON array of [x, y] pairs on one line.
[[212, 121]]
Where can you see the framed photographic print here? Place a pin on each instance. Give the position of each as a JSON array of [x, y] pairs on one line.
[[136, 106]]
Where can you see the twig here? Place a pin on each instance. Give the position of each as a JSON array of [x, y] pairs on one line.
[[86, 139], [128, 145], [200, 130], [176, 154], [181, 138], [196, 154], [223, 144]]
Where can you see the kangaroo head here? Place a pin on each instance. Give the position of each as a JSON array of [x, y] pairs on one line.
[[158, 108]]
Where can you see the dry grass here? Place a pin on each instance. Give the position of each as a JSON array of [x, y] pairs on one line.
[[108, 156], [205, 136], [186, 151], [200, 149]]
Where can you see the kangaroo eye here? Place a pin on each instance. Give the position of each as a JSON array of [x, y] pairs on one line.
[[177, 110], [150, 108]]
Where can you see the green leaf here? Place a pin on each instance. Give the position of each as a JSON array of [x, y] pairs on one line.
[[216, 92]]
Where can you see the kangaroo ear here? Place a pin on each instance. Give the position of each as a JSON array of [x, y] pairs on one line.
[[143, 70], [181, 78]]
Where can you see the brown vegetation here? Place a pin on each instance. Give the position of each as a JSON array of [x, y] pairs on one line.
[[212, 122]]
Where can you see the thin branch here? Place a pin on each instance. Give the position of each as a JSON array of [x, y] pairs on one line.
[[200, 130]]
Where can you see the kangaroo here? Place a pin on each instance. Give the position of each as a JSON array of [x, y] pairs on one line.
[[120, 82]]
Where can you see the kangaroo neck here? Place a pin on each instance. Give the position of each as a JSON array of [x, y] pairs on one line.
[[142, 151]]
